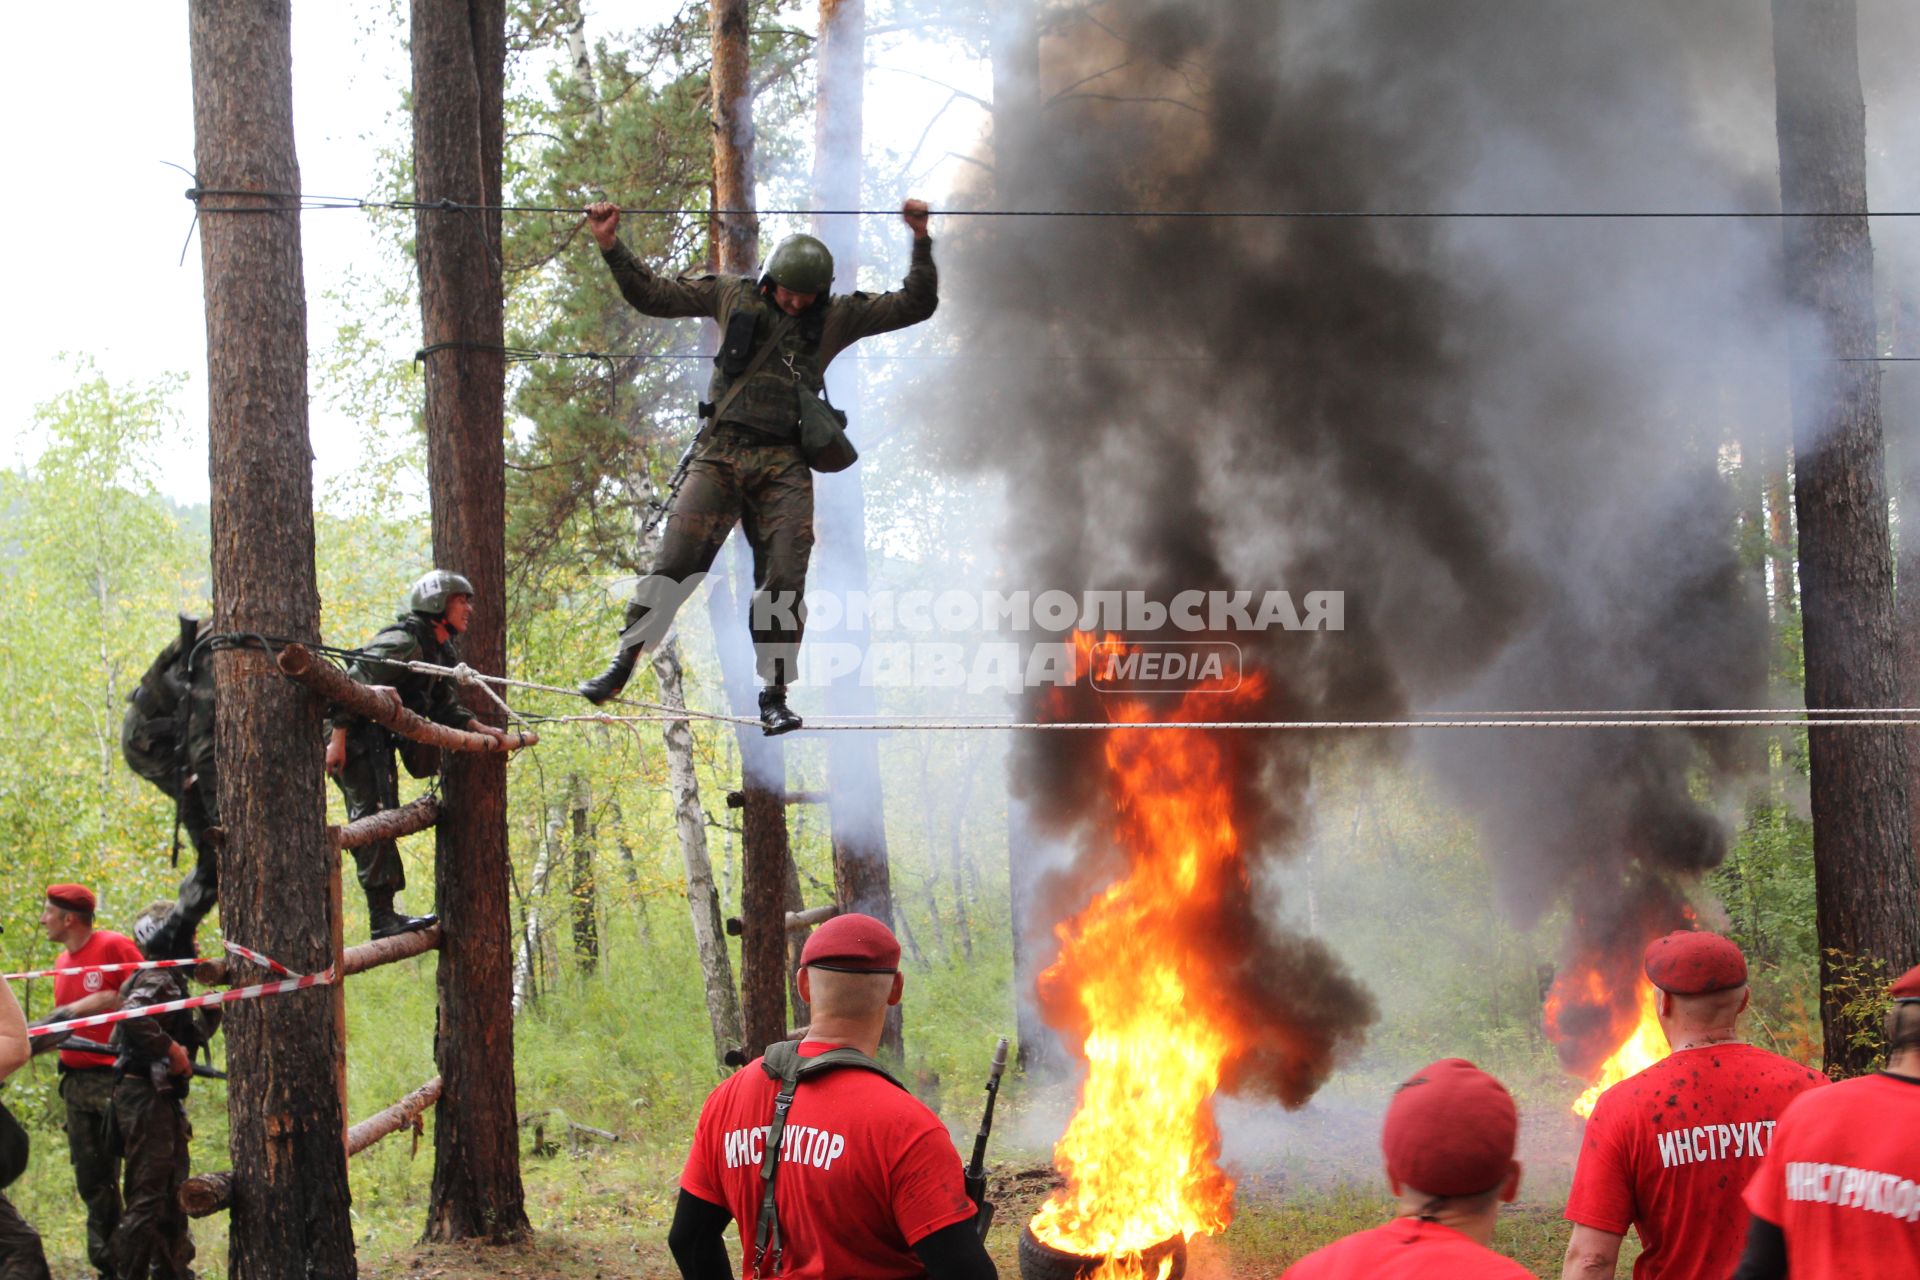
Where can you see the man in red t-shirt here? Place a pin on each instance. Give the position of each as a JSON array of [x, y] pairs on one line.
[[86, 1079], [868, 1183], [1448, 1139], [1668, 1151], [1838, 1197]]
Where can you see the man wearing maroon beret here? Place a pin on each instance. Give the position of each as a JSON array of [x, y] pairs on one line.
[[1838, 1196], [1668, 1151], [87, 1079], [1448, 1140], [867, 1182]]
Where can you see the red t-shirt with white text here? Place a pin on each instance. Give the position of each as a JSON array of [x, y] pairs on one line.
[[866, 1171], [1669, 1150], [1406, 1249], [1842, 1181], [103, 946]]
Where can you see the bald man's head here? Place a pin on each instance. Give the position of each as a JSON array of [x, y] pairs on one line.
[[830, 993]]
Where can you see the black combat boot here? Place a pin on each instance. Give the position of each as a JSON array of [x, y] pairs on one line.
[[610, 682], [384, 921], [775, 717]]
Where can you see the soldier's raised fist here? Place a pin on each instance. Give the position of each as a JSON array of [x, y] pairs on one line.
[[914, 214], [603, 220]]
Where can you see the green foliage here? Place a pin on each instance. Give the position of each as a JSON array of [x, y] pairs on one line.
[[1858, 987]]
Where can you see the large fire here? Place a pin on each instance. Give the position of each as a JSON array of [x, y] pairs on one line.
[[1646, 1045], [1139, 1155]]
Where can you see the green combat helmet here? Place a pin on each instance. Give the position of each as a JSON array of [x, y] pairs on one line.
[[801, 264], [431, 594]]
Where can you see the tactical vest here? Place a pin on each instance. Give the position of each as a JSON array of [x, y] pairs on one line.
[[769, 402], [783, 1063], [415, 687]]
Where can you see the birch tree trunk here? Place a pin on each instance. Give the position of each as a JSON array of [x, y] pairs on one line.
[[690, 820]]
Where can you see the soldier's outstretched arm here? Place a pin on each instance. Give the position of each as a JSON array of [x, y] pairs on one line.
[[15, 1045], [861, 315], [642, 287]]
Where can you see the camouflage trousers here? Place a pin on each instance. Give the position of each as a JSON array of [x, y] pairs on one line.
[[96, 1165], [151, 1240], [370, 782], [154, 757], [21, 1257], [764, 485]]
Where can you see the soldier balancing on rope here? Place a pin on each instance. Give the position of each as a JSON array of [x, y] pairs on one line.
[[766, 429]]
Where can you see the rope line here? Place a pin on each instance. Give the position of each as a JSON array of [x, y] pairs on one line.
[[323, 202], [1599, 718], [527, 355]]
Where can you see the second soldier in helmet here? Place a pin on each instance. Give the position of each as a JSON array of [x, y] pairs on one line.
[[360, 753], [780, 333]]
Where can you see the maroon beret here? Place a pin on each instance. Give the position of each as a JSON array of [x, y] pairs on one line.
[[1689, 962], [72, 897], [853, 943], [1450, 1130], [1907, 985]]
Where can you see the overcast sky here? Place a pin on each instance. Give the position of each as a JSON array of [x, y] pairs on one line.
[[101, 96]]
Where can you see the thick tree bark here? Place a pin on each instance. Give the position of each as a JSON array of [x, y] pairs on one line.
[[1866, 888], [284, 1106], [763, 761], [703, 903], [459, 67]]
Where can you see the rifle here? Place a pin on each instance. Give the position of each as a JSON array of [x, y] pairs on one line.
[[660, 507], [200, 1069], [976, 1172]]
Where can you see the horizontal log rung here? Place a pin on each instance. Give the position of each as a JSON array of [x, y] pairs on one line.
[[209, 1193], [334, 686], [401, 946], [388, 824]]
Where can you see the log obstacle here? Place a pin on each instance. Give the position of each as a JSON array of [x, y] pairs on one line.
[[333, 685], [738, 799], [209, 1193], [796, 920], [388, 824], [371, 955]]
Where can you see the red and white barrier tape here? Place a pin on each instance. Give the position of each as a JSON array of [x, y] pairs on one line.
[[124, 966], [296, 982]]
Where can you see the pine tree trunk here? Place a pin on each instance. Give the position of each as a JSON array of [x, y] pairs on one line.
[[459, 67], [709, 935], [763, 764], [288, 1125], [1866, 888]]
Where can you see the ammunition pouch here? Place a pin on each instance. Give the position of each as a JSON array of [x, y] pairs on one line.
[[823, 434], [422, 759]]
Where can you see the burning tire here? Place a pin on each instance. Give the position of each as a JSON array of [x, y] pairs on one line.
[[1044, 1262]]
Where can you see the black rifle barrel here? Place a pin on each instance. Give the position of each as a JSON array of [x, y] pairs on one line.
[[976, 1172]]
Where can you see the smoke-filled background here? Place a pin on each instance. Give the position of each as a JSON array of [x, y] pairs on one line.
[[1506, 440]]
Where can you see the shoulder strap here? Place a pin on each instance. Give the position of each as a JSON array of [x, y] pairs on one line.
[[760, 357], [782, 1062]]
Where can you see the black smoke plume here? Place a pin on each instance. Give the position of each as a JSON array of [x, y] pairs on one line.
[[1507, 441]]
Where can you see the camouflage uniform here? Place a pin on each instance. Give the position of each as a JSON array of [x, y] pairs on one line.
[[150, 1115], [369, 781], [21, 1257], [167, 738], [88, 1095], [750, 469]]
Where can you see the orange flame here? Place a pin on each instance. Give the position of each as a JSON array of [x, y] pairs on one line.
[[1645, 1045], [1140, 1153]]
